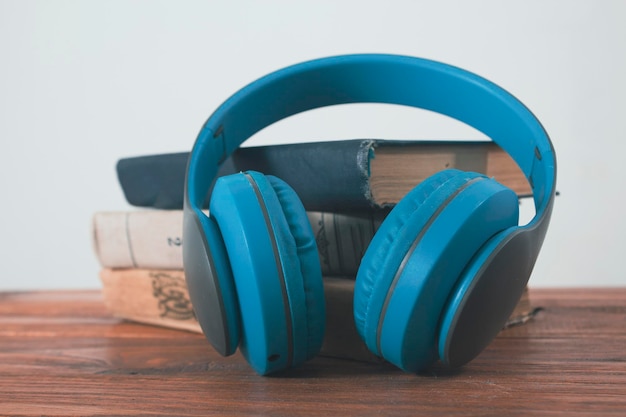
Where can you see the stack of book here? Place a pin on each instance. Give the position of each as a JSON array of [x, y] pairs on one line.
[[347, 188]]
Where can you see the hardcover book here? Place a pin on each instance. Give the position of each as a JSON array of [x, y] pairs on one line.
[[334, 176]]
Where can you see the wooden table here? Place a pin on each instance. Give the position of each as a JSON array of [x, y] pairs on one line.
[[61, 353]]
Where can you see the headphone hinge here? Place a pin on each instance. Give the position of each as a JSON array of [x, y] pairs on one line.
[[221, 147]]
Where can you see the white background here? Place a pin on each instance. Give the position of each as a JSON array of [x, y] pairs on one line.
[[84, 83]]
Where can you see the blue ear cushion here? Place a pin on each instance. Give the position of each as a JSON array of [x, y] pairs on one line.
[[306, 248], [407, 273], [385, 243]]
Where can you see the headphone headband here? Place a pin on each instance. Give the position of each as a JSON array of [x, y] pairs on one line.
[[374, 78]]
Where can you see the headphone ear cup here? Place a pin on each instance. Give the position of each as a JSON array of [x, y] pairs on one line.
[[276, 270], [211, 284], [409, 270]]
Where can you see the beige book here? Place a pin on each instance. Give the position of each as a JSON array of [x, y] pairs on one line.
[[160, 297], [152, 239]]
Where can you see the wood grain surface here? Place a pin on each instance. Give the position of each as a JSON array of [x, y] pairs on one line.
[[61, 353]]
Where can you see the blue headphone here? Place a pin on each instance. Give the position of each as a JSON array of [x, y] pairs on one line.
[[440, 277]]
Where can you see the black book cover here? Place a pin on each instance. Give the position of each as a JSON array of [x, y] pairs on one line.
[[327, 176]]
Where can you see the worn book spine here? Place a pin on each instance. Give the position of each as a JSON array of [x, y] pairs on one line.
[[332, 176], [160, 297], [153, 239]]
